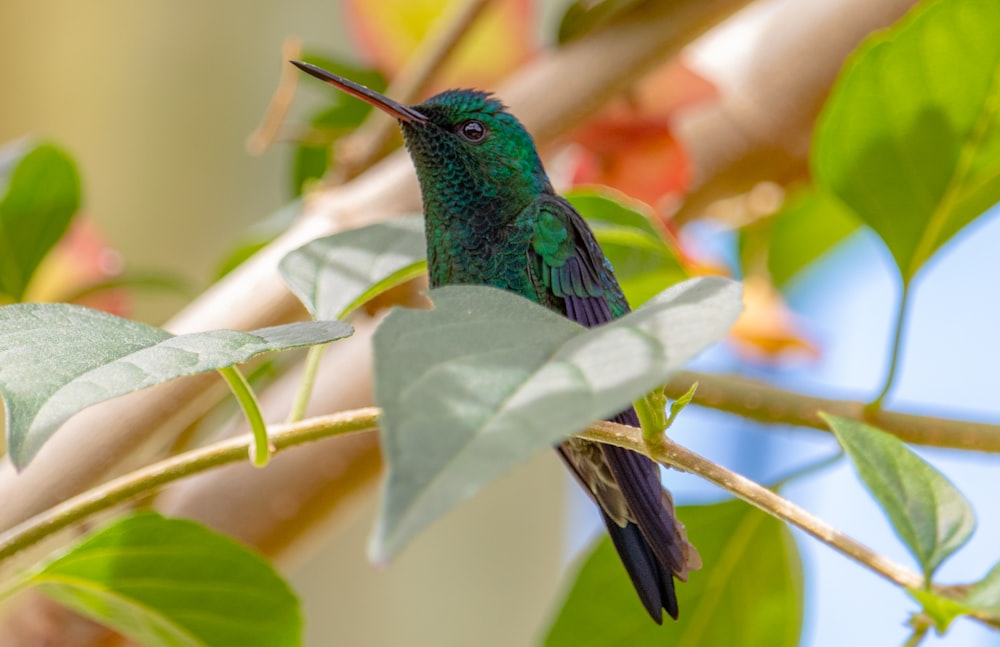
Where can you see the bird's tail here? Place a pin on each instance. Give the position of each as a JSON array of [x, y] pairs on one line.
[[653, 583], [640, 517], [654, 547]]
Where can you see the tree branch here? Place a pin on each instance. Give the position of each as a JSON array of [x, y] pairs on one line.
[[671, 454], [768, 404], [149, 478], [284, 436]]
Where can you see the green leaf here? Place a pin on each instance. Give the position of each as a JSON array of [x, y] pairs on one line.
[[309, 163], [334, 275], [749, 594], [57, 359], [39, 194], [928, 513], [340, 116], [984, 596], [678, 405], [644, 263], [940, 609], [981, 600], [487, 378], [910, 138], [809, 224], [174, 583]]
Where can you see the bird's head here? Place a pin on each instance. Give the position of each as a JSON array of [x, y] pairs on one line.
[[465, 145]]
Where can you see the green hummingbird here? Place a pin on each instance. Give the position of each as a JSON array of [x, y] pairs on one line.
[[492, 218]]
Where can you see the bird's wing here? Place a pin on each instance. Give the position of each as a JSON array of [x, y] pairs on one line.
[[569, 268], [571, 273]]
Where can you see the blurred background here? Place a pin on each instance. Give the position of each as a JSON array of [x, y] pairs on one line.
[[156, 100]]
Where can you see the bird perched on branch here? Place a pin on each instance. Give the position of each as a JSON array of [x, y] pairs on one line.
[[492, 218]]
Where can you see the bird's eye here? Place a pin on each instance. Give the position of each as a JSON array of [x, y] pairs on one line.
[[472, 131]]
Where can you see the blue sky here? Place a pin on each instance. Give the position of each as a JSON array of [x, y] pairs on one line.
[[950, 355]]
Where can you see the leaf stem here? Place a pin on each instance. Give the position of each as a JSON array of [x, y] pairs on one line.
[[917, 637], [148, 478], [260, 450], [651, 411], [897, 343], [309, 370]]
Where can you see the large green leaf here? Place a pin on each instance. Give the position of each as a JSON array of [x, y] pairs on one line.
[[39, 194], [487, 378], [56, 359], [336, 274], [644, 263], [910, 138], [808, 225], [928, 513], [174, 583], [749, 593]]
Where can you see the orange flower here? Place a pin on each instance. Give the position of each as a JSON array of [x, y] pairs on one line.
[[767, 331], [630, 145]]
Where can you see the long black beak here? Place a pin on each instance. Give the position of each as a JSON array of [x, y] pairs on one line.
[[382, 102]]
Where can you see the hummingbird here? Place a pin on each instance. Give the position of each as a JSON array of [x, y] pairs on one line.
[[492, 218]]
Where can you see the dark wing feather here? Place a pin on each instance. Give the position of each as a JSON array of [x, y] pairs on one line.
[[574, 276]]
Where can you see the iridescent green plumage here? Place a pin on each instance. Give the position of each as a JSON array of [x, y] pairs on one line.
[[492, 218]]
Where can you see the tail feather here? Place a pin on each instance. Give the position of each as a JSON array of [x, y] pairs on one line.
[[640, 517], [653, 582]]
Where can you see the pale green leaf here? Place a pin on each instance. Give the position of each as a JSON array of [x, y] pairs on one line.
[[910, 138], [749, 593], [810, 224], [487, 378], [57, 359], [334, 275], [928, 513], [174, 583]]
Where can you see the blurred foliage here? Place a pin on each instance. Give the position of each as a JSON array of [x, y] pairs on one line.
[[159, 580], [749, 592], [41, 194]]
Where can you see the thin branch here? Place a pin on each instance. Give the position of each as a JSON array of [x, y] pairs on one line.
[[172, 469], [673, 455], [284, 436], [270, 126], [768, 404]]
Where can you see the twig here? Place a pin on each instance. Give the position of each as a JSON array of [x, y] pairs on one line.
[[167, 471], [274, 116], [765, 403], [674, 455], [284, 436]]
